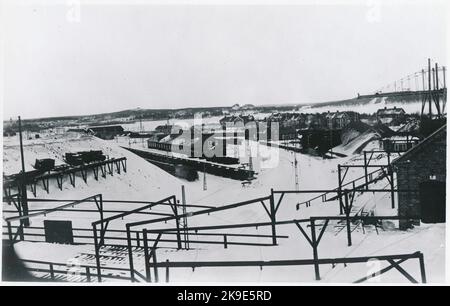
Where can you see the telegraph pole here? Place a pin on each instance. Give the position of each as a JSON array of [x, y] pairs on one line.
[[22, 184], [423, 80], [205, 187], [296, 171], [437, 91], [429, 88], [443, 75]]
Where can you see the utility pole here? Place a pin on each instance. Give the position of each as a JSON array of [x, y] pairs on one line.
[[331, 142], [205, 187], [444, 89], [22, 184], [423, 80], [429, 88], [250, 158], [443, 75], [296, 171], [437, 91]]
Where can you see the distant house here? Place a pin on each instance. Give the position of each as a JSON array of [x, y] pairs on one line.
[[181, 114], [314, 121], [247, 118], [421, 172], [288, 120], [329, 118], [232, 119], [391, 116], [295, 120], [236, 119], [164, 129], [76, 130], [275, 117], [105, 131], [8, 133], [339, 120]]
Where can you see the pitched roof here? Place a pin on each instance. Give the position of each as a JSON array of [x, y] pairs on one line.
[[390, 111]]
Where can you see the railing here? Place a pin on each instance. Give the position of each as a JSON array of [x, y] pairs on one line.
[[352, 183], [141, 239], [313, 239], [270, 211], [394, 261], [58, 174], [23, 218], [72, 272]]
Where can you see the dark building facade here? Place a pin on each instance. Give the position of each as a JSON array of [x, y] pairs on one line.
[[418, 170], [105, 131]]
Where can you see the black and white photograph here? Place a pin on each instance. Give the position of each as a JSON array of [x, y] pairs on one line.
[[224, 143]]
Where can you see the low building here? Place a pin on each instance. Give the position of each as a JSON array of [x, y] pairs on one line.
[[398, 143], [105, 131], [421, 173], [164, 129]]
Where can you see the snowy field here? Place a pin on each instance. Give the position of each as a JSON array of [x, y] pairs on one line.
[[366, 108], [144, 181]]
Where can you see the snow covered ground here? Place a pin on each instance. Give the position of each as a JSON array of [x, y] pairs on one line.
[[367, 108], [144, 181]]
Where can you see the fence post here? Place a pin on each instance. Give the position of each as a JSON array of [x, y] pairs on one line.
[[177, 222], [391, 174], [273, 217], [365, 171], [130, 254], [340, 189], [347, 218], [97, 255], [155, 263], [10, 232], [225, 242], [185, 224], [88, 274], [21, 229], [167, 271], [314, 246], [101, 214], [422, 268], [146, 256], [52, 272]]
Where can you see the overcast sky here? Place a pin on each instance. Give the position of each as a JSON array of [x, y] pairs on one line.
[[117, 57]]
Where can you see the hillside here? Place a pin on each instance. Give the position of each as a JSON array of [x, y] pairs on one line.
[[411, 103]]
